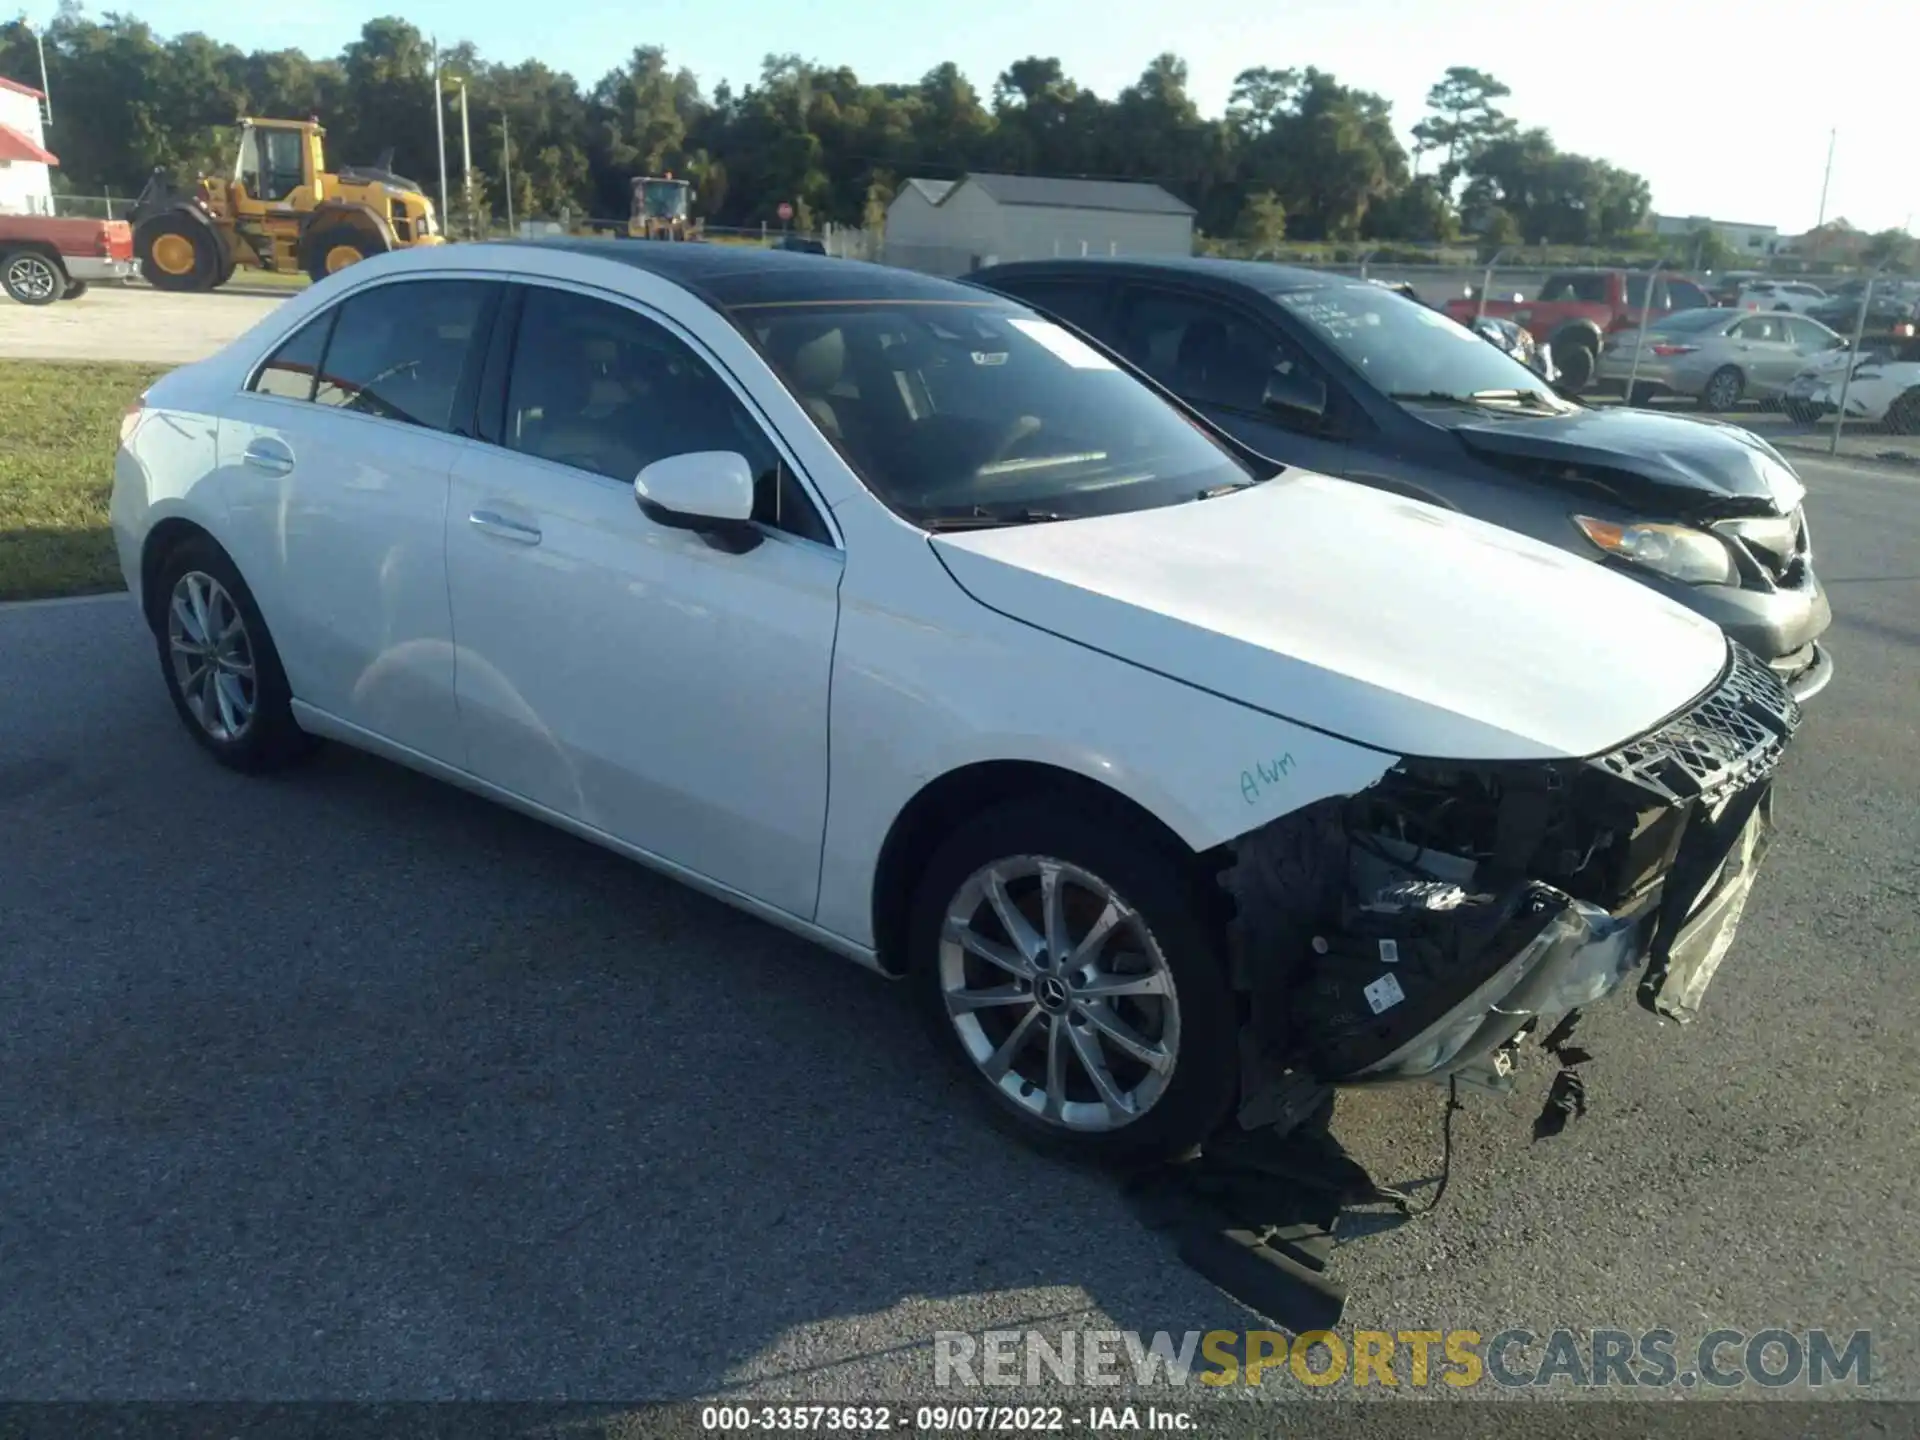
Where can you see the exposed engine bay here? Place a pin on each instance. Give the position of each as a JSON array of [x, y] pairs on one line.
[[1422, 928]]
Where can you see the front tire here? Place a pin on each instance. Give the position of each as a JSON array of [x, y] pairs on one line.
[[1065, 959], [333, 249], [32, 278], [222, 671]]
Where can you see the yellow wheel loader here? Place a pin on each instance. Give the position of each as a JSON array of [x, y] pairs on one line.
[[660, 209], [280, 210]]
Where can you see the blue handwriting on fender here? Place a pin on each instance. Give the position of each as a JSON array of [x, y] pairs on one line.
[[1264, 776]]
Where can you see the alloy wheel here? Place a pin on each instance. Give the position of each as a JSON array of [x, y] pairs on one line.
[[1723, 391], [31, 277], [1059, 993], [212, 656]]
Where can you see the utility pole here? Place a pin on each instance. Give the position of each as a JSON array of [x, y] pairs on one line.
[[1826, 180], [506, 168], [440, 130]]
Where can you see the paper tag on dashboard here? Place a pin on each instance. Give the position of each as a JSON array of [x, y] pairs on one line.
[[1384, 993], [1389, 952]]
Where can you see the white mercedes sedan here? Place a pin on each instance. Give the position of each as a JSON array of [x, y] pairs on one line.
[[1181, 787]]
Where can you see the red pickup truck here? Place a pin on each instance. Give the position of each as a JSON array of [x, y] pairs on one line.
[[43, 259], [1575, 310]]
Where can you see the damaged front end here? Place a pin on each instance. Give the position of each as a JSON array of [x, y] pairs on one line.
[[1423, 927]]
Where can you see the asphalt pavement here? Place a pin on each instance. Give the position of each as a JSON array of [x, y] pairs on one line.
[[349, 1085]]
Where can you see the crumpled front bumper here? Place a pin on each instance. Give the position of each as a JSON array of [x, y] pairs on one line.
[[1441, 974], [1583, 954]]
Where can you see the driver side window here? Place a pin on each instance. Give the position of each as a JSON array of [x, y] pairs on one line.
[[601, 388], [1204, 352]]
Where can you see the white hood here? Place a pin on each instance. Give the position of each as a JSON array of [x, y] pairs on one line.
[[1378, 619]]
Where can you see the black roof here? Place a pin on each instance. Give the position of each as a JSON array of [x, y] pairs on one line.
[[1253, 274], [733, 277]]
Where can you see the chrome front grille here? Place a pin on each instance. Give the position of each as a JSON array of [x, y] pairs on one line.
[[1729, 738]]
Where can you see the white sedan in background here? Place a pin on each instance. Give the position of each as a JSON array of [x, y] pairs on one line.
[[1884, 390], [1176, 785], [1794, 295]]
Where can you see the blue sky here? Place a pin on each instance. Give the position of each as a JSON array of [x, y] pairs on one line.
[[1725, 107]]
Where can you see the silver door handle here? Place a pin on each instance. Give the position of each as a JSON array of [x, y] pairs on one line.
[[497, 524], [269, 456]]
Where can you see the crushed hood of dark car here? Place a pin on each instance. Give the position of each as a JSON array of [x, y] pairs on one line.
[[1685, 467]]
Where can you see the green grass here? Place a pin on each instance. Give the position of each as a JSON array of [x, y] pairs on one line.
[[271, 279], [59, 428]]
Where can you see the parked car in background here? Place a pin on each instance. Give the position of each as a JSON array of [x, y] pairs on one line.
[[1504, 333], [890, 612], [1342, 377], [1793, 295], [1577, 309], [1884, 389], [1716, 357], [44, 259], [1725, 287], [1893, 309]]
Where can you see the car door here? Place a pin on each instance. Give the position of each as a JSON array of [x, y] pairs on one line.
[[1220, 359], [629, 675], [1765, 350], [337, 457], [1811, 342]]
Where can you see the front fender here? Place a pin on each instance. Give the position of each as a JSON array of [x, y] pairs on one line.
[[917, 697]]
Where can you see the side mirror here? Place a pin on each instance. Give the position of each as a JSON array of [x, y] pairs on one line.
[[1299, 397], [708, 491]]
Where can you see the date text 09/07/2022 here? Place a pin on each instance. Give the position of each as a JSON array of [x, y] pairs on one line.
[[942, 1419]]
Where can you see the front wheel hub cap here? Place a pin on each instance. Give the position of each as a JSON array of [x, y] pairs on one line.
[[212, 656], [1059, 993]]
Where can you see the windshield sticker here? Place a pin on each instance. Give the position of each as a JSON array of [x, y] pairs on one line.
[[1264, 775], [1076, 352]]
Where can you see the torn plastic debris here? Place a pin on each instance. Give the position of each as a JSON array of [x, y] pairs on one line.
[[1427, 980]]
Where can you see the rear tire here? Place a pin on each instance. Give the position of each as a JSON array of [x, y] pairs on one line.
[[1575, 360], [222, 671], [75, 289], [31, 277], [1642, 395], [1085, 1070], [1723, 389], [179, 252]]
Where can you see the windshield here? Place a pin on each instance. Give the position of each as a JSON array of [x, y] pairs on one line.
[[666, 198], [1405, 349], [961, 411]]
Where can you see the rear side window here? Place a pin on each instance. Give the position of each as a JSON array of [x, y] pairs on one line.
[[1586, 289], [290, 371], [402, 351]]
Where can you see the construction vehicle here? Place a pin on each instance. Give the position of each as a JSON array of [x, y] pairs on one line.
[[280, 210], [661, 209]]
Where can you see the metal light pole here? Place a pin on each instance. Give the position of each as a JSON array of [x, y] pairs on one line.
[[40, 49], [1486, 284], [440, 130], [1853, 358], [466, 162], [506, 168], [1640, 342]]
